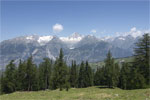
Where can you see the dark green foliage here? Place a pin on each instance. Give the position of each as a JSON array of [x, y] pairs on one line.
[[8, 81], [85, 78], [108, 74], [142, 57], [21, 74], [88, 75], [81, 78], [99, 78], [45, 74], [136, 79], [30, 78], [111, 71], [61, 74], [73, 75], [2, 85], [116, 74], [124, 76]]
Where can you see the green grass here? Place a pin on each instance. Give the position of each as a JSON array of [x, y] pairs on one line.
[[117, 60], [91, 93]]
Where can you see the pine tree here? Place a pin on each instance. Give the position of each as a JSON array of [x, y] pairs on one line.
[[73, 75], [8, 81], [109, 62], [2, 84], [124, 76], [116, 74], [97, 79], [45, 74], [31, 78], [99, 76], [88, 75], [61, 74], [81, 78], [136, 79], [112, 77], [21, 73], [142, 57]]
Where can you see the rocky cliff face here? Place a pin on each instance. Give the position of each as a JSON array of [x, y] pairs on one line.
[[75, 47]]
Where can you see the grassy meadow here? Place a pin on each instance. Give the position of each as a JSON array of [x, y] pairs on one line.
[[117, 60], [91, 93]]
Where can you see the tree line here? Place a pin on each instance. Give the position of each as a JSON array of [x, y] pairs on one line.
[[52, 75]]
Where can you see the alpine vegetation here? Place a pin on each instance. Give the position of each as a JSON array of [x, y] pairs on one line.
[[57, 74]]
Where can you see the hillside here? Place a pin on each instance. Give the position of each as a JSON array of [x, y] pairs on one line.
[[91, 93], [75, 47], [117, 60]]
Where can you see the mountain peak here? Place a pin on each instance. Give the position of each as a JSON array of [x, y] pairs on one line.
[[75, 35]]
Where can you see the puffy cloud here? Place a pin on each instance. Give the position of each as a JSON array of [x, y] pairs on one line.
[[133, 29], [93, 31], [57, 28], [133, 32]]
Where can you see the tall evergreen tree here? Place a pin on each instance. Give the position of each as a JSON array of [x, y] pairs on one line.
[[81, 78], [45, 70], [88, 75], [73, 75], [116, 74], [61, 74], [124, 76], [2, 84], [30, 78], [8, 81], [142, 57], [21, 73], [110, 71], [136, 79]]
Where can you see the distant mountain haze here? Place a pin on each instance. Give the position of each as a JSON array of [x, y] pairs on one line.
[[76, 47]]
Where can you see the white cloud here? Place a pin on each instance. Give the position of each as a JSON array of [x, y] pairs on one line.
[[133, 29], [133, 32], [93, 31], [57, 28]]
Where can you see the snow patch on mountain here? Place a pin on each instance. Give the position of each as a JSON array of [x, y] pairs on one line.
[[50, 55], [71, 48], [29, 37], [121, 38], [70, 39], [75, 37], [44, 39], [35, 51]]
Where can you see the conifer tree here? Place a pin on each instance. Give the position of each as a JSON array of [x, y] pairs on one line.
[[110, 71], [81, 78], [45, 74], [88, 75], [99, 76], [30, 78], [21, 73], [109, 63], [2, 84], [73, 75], [116, 74], [136, 79], [124, 76], [61, 74], [8, 81], [142, 57]]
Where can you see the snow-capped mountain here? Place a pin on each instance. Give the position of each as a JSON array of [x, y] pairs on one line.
[[75, 47], [74, 38]]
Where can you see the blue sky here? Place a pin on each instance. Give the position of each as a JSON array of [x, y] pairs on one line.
[[101, 18]]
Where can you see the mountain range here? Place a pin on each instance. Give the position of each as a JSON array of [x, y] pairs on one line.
[[76, 47]]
